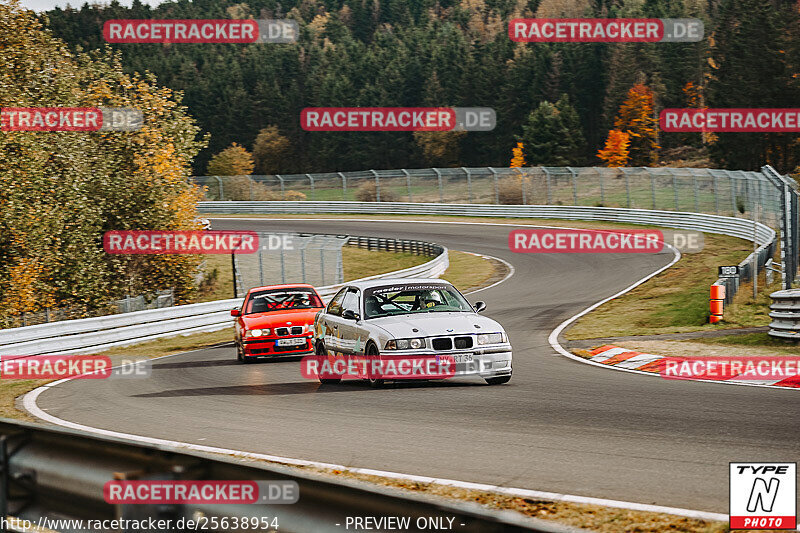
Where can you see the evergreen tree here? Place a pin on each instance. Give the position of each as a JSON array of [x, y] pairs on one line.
[[552, 135]]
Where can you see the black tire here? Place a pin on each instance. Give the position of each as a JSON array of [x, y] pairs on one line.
[[372, 351], [498, 381], [240, 354], [320, 351]]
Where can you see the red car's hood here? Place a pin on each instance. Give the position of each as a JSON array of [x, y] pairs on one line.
[[278, 318]]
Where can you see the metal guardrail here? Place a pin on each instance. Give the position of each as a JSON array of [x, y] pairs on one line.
[[785, 314], [721, 192], [735, 227], [91, 335], [57, 473]]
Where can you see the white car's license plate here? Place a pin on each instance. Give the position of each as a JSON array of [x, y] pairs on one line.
[[290, 342], [463, 357]]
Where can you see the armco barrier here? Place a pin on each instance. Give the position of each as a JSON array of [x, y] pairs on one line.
[[60, 473], [735, 227], [90, 335]]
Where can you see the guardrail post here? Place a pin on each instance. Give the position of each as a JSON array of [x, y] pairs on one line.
[[283, 191], [283, 266], [221, 192], [496, 186], [408, 184], [312, 185], [260, 266], [303, 261], [469, 184], [574, 186], [377, 186], [627, 186], [441, 191], [675, 189], [547, 182], [522, 185], [344, 185], [322, 264], [653, 187], [233, 271], [602, 186]]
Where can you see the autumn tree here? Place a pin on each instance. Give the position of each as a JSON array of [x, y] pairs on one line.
[[59, 192], [616, 153], [234, 160], [518, 156], [271, 151], [636, 117], [439, 148]]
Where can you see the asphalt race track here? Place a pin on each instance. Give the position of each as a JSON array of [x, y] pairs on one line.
[[559, 425]]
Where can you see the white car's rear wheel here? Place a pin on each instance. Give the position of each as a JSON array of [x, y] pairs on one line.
[[325, 378]]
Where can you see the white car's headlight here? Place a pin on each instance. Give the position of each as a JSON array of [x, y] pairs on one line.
[[405, 344], [490, 338], [256, 333]]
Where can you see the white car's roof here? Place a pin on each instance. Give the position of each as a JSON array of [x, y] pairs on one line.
[[394, 281]]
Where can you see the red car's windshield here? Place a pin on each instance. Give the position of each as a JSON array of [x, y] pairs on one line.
[[281, 300]]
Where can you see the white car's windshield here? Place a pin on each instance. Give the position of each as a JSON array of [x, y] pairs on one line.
[[404, 299]]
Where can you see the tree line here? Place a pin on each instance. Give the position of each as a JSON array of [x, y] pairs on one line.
[[567, 103]]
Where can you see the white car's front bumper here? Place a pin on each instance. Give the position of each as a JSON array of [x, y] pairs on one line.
[[488, 361]]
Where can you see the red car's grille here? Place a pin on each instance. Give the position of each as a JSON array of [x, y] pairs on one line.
[[295, 330]]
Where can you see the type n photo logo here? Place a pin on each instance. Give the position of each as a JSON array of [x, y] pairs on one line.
[[763, 495]]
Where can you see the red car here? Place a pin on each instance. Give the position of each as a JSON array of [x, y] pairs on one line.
[[276, 321]]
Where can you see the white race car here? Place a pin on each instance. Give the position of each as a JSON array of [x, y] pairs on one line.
[[409, 321]]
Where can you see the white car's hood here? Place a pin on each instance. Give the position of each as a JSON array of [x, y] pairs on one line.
[[435, 324]]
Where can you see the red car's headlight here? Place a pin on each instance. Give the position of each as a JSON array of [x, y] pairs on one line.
[[256, 333]]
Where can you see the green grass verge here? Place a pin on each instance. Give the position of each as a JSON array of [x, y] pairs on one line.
[[753, 340], [676, 300]]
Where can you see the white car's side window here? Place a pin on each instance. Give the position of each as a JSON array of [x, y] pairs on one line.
[[335, 305]]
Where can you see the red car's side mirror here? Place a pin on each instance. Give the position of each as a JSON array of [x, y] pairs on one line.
[[235, 311]]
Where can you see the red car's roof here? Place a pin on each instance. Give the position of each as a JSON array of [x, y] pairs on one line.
[[284, 286]]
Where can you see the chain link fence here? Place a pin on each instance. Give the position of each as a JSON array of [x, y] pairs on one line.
[[765, 197], [314, 259], [722, 192], [300, 258], [129, 304]]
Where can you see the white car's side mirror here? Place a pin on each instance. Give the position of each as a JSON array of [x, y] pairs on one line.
[[479, 306]]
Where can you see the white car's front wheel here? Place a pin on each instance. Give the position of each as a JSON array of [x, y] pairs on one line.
[[374, 381]]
